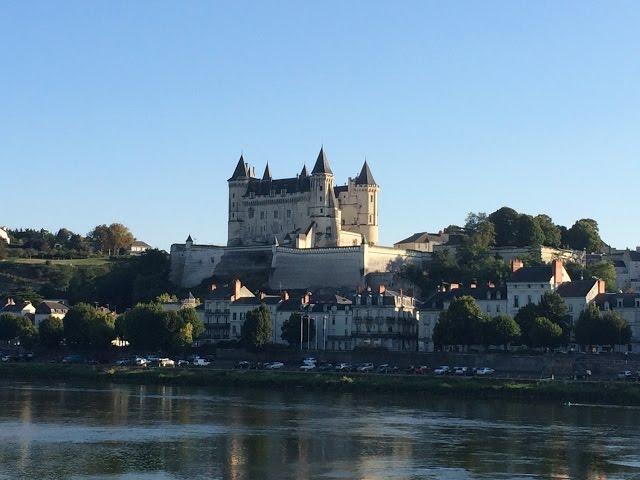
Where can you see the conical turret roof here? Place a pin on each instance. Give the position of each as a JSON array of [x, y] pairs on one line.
[[365, 177], [267, 173], [322, 164], [241, 170], [304, 173]]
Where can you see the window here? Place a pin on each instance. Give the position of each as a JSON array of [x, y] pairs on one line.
[[488, 308], [619, 303], [516, 301], [320, 197], [234, 315], [320, 190], [252, 212], [570, 308], [637, 302], [261, 215], [497, 308], [275, 214], [288, 213], [320, 210], [234, 330], [233, 195], [370, 218], [371, 198], [233, 204]]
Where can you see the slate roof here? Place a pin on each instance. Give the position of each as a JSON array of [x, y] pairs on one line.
[[14, 308], [140, 243], [628, 300], [289, 185], [576, 289], [322, 164], [340, 188], [365, 177], [304, 173], [47, 306], [267, 173], [634, 255], [538, 273], [424, 237], [437, 300], [241, 170], [248, 301]]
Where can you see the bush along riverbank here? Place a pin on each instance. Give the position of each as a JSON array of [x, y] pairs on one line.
[[620, 393]]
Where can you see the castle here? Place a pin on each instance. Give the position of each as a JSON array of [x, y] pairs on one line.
[[305, 211], [296, 233]]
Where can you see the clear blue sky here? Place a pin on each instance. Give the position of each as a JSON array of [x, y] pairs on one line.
[[138, 111]]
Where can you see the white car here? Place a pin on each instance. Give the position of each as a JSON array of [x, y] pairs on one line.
[[442, 370], [309, 360], [200, 362], [459, 370], [365, 367], [274, 365], [485, 371], [307, 366], [141, 362], [166, 363]]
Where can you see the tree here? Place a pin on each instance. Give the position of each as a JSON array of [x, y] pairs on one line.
[[528, 232], [525, 318], [586, 325], [111, 239], [256, 329], [504, 221], [551, 232], [553, 308], [3, 250], [290, 330], [606, 271], [585, 235], [51, 332], [15, 327], [614, 330], [502, 330], [87, 327], [462, 323], [145, 327], [545, 333]]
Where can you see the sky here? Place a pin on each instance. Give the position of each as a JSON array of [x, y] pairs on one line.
[[137, 112]]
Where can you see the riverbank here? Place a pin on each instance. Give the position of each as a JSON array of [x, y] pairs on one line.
[[619, 393]]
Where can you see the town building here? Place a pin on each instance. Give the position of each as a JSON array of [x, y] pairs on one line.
[[423, 241], [50, 308], [23, 309], [138, 247], [529, 284], [4, 236], [628, 306]]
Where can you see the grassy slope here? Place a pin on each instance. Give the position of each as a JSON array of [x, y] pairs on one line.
[[77, 262], [577, 392]]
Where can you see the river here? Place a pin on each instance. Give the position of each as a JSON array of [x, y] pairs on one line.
[[147, 432]]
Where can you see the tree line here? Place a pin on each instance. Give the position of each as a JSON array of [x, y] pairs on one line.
[[113, 239], [542, 325]]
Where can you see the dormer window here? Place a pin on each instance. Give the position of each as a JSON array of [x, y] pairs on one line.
[[619, 303], [606, 306], [637, 302]]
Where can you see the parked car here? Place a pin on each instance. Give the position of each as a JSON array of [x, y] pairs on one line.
[[582, 374], [309, 360], [442, 370], [183, 363], [343, 367], [73, 358], [460, 371], [482, 371], [421, 370], [5, 358], [141, 362], [200, 362], [365, 367], [625, 375], [325, 367], [166, 363], [307, 366], [243, 365], [153, 358], [273, 365]]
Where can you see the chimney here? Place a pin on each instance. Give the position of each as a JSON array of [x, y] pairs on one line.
[[212, 287], [454, 286], [237, 285], [381, 289], [473, 285], [262, 295], [516, 264], [306, 298], [490, 284], [557, 268], [284, 296], [602, 286]]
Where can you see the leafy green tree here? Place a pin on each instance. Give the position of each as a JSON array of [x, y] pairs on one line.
[[464, 323], [552, 234], [587, 325], [16, 327], [51, 332], [525, 318], [505, 222], [604, 270], [87, 327], [290, 330], [502, 330], [528, 232], [614, 330], [553, 308], [545, 333], [256, 329], [585, 235], [3, 250], [112, 239]]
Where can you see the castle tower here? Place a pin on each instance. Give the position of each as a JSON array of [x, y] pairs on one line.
[[367, 199], [323, 206], [238, 184]]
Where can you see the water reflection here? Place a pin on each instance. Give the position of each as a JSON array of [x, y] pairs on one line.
[[66, 431]]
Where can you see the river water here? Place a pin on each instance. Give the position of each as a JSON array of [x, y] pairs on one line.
[[145, 432]]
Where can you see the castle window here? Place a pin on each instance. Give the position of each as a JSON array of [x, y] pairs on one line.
[[343, 221], [283, 191], [320, 187], [320, 197], [275, 214], [233, 195], [516, 301], [370, 218], [233, 204], [371, 198], [288, 213], [261, 215], [320, 210], [328, 232], [233, 215]]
